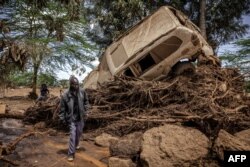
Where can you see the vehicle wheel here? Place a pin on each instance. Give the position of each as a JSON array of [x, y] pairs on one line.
[[183, 68]]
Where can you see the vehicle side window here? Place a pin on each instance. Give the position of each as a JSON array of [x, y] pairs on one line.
[[146, 62], [129, 73]]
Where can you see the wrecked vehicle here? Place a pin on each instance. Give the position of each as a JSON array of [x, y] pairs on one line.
[[160, 43]]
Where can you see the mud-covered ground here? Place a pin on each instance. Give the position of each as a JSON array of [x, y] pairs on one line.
[[47, 148]]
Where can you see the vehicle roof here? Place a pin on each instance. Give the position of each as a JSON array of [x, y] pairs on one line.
[[146, 31]]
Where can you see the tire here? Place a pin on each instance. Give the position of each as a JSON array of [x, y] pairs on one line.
[[183, 68]]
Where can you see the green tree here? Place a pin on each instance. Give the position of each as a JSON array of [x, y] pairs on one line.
[[240, 58], [48, 79], [54, 34], [20, 79], [25, 79]]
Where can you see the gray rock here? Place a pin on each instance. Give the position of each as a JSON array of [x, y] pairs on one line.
[[127, 146], [172, 145], [104, 139]]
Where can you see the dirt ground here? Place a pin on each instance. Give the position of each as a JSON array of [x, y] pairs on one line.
[[46, 148], [17, 99]]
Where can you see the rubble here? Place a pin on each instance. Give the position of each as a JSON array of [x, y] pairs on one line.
[[196, 108], [44, 111], [211, 99]]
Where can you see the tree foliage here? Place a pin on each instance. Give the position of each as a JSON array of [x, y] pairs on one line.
[[240, 58], [54, 34], [25, 79]]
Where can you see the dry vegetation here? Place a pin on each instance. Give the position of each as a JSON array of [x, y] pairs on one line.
[[210, 100]]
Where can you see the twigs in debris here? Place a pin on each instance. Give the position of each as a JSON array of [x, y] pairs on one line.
[[8, 161], [209, 99]]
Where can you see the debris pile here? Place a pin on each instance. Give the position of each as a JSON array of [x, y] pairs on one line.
[[211, 99], [44, 111], [144, 118]]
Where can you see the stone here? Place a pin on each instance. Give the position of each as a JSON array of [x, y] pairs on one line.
[[129, 145], [118, 162], [244, 135], [172, 145], [226, 141], [104, 139]]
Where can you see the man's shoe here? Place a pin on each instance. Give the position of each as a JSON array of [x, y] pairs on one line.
[[77, 147], [70, 158]]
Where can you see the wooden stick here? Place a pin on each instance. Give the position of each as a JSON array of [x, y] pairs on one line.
[[112, 115], [169, 120], [11, 116], [11, 146], [8, 161]]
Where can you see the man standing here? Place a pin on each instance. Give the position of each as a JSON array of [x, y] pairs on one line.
[[74, 105]]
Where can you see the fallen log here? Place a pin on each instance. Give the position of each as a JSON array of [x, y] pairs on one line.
[[10, 147], [8, 161], [154, 120], [11, 116], [6, 150]]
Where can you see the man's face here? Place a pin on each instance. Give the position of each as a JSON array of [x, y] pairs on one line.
[[74, 84]]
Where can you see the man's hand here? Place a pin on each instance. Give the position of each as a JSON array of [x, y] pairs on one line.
[[64, 123], [85, 116]]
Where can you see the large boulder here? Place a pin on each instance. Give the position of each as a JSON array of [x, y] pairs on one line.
[[104, 139], [128, 146], [118, 162], [244, 135], [172, 145], [226, 141]]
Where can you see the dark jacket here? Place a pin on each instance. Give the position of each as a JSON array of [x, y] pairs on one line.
[[67, 105]]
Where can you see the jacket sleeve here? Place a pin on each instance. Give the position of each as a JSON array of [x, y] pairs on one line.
[[63, 108], [86, 101]]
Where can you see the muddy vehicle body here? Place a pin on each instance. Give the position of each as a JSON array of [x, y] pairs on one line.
[[151, 49]]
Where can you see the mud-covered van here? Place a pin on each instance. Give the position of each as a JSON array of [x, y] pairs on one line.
[[165, 40]]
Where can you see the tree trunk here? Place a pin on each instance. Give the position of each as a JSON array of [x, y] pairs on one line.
[[202, 21], [35, 71]]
